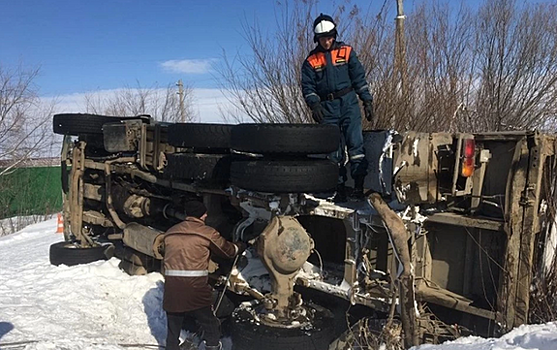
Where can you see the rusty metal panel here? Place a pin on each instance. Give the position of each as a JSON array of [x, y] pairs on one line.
[[467, 221], [96, 218], [423, 262], [530, 201], [516, 183], [417, 166], [95, 192], [413, 180], [143, 239], [448, 256], [122, 136], [76, 195], [522, 206]]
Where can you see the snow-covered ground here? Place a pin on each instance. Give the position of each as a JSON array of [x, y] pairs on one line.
[[98, 307], [93, 306], [11, 225]]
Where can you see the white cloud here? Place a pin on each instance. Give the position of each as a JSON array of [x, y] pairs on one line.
[[214, 106], [208, 104], [200, 66]]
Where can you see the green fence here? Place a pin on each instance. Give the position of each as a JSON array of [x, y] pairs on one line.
[[30, 191]]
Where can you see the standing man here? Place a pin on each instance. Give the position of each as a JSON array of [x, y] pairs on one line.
[[332, 76], [187, 294]]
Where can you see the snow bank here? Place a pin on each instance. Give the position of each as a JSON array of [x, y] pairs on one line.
[[94, 306], [11, 225], [539, 337]]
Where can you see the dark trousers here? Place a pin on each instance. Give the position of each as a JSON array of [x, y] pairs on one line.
[[205, 318], [345, 113]]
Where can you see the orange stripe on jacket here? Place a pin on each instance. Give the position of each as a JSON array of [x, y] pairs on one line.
[[317, 60], [341, 55]]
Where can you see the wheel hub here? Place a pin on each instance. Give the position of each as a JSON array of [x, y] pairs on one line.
[[300, 317], [284, 246]]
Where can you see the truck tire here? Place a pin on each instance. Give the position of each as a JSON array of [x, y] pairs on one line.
[[80, 123], [198, 135], [195, 166], [247, 334], [284, 176], [66, 253], [285, 138]]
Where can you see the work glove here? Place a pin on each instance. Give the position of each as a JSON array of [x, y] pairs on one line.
[[317, 112], [368, 110]]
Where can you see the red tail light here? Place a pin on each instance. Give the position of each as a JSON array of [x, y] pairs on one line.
[[468, 161], [469, 148]]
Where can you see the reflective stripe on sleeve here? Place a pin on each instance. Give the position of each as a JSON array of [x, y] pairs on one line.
[[364, 88], [186, 273], [357, 156], [311, 94]]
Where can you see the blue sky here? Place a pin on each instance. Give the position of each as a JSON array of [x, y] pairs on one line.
[[84, 45], [97, 45]]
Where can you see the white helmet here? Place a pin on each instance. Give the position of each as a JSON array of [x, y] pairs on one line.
[[324, 26]]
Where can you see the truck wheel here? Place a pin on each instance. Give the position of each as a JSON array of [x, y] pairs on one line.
[[66, 253], [198, 135], [285, 138], [247, 334], [284, 176], [194, 166], [79, 123]]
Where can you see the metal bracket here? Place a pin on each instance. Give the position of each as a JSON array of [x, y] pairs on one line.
[[526, 196]]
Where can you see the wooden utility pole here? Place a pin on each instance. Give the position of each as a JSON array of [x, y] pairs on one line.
[[181, 95], [400, 56]]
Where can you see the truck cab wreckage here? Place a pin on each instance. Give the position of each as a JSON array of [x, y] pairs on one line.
[[454, 229]]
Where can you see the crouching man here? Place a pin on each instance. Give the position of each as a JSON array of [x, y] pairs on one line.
[[187, 293]]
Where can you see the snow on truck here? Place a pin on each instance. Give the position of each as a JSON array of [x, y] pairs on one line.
[[453, 232]]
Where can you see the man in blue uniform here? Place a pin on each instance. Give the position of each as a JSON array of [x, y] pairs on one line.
[[332, 76]]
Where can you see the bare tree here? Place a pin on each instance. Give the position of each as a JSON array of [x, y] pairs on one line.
[[493, 68], [161, 103], [265, 84], [24, 120], [516, 52], [372, 36], [267, 89], [438, 67]]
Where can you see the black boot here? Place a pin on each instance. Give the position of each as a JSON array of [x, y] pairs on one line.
[[358, 192], [213, 347], [188, 345], [340, 196]]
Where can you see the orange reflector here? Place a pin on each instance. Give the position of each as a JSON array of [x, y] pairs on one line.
[[467, 167]]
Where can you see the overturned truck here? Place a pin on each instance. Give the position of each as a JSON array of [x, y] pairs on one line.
[[453, 232]]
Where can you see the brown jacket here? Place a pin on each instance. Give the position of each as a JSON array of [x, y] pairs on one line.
[[188, 246]]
